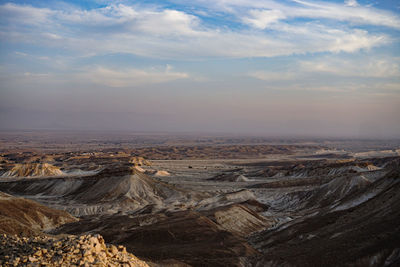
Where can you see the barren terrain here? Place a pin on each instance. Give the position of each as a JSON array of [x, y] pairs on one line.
[[207, 201]]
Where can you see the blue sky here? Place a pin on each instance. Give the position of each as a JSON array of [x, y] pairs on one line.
[[293, 68]]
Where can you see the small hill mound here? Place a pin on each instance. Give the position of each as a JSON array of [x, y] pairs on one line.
[[33, 170], [239, 219], [241, 196], [162, 173], [230, 177]]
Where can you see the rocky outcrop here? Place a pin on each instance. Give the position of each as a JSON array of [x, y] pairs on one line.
[[140, 161], [84, 250], [33, 170]]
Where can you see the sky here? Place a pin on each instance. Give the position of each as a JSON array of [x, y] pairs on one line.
[[260, 67]]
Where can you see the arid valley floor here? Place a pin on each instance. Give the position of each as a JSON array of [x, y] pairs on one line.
[[156, 200]]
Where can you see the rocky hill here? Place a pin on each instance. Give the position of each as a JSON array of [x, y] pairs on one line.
[[115, 188], [26, 217]]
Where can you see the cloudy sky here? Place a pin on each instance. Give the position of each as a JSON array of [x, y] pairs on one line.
[[288, 67]]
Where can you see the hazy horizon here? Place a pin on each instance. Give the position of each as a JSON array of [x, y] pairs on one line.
[[86, 134], [267, 68]]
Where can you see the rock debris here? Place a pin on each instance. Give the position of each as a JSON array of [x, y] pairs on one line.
[[85, 250]]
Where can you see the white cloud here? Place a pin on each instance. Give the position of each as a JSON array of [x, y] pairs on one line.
[[100, 75], [391, 86], [30, 74], [51, 36], [352, 3], [358, 39], [336, 74], [351, 12], [20, 53], [273, 76], [28, 14], [175, 34], [358, 15], [131, 77], [372, 68], [261, 19], [168, 22]]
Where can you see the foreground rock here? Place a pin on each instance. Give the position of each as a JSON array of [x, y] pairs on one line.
[[185, 236], [85, 250], [212, 235]]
